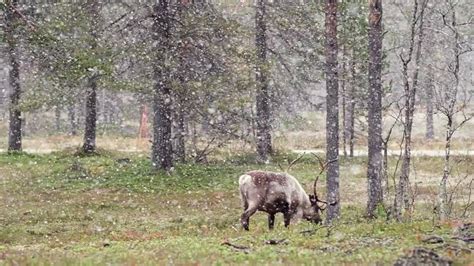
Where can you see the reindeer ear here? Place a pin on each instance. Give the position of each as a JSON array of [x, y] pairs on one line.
[[322, 208]]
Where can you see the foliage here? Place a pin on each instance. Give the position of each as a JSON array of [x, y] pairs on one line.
[[64, 48]]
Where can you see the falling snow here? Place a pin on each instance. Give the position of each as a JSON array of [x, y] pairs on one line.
[[125, 126]]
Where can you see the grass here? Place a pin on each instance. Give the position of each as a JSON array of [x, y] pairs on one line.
[[111, 208]]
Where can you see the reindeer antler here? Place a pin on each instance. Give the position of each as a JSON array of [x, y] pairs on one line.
[[322, 165], [281, 167], [290, 164], [294, 161], [320, 161]]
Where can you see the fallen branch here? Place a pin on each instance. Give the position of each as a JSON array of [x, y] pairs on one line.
[[433, 239], [467, 239], [276, 241], [238, 248]]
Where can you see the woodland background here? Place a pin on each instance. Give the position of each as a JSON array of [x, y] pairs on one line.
[[152, 109]]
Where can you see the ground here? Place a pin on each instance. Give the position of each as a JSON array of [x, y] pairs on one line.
[[64, 208]]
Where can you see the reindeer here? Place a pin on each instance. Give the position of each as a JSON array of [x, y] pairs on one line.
[[274, 192]]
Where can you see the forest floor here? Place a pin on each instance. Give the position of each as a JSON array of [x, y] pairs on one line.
[[62, 208]]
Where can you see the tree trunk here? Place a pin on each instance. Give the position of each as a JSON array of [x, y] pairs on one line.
[[350, 112], [89, 145], [180, 130], [429, 108], [179, 148], [102, 114], [332, 115], [345, 135], [374, 167], [344, 90], [385, 180], [91, 117], [264, 138], [444, 209], [57, 120], [72, 119], [162, 156], [15, 127], [444, 205], [403, 197]]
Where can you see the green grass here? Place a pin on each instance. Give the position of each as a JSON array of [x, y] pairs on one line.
[[112, 208]]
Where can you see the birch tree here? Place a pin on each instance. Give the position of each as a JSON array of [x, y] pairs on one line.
[[448, 101], [410, 85]]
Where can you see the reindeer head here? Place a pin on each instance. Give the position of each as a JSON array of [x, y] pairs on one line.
[[314, 215], [317, 209]]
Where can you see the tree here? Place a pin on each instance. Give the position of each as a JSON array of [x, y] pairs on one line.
[[447, 97], [428, 86], [264, 138], [332, 115], [162, 155], [354, 69], [295, 45], [410, 88], [350, 94], [429, 95], [73, 60], [71, 112], [89, 145], [179, 93], [11, 23], [346, 116], [185, 10], [374, 167]]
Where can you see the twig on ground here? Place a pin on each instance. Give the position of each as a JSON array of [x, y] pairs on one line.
[[433, 239], [237, 247], [468, 239], [276, 241]]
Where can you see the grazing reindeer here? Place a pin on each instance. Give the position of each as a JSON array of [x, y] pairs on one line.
[[278, 192]]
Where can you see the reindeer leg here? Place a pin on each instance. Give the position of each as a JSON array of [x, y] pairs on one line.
[[288, 213], [271, 220], [287, 217], [244, 219], [243, 198], [246, 205]]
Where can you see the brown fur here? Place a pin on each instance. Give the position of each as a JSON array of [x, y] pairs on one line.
[[262, 179]]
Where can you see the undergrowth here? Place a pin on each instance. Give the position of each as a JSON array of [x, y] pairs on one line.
[[112, 208]]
